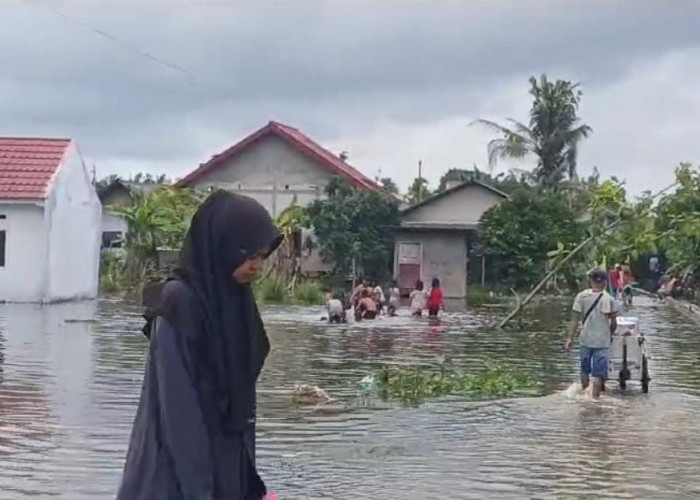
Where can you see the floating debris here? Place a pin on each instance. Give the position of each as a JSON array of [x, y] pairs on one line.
[[310, 394], [414, 384]]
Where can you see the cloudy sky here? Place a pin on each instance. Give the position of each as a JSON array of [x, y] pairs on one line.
[[162, 85]]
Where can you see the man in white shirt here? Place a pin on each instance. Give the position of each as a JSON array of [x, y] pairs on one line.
[[594, 316]]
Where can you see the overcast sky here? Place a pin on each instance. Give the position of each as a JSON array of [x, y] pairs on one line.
[[162, 85]]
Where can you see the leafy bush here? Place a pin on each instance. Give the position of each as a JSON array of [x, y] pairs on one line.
[[156, 219], [355, 224], [112, 269], [525, 227], [309, 293], [272, 289]]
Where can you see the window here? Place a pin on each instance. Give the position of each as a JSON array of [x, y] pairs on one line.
[[2, 248], [112, 239]]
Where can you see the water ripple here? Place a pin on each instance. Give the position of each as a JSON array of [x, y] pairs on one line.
[[70, 377]]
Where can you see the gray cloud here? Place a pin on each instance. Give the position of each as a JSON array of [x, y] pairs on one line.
[[335, 69]]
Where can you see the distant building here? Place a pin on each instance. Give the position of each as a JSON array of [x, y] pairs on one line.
[[50, 220], [278, 165], [436, 234], [119, 193]]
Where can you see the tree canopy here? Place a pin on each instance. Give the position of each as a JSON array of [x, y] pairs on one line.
[[552, 134], [389, 185], [678, 222], [418, 191], [354, 224], [524, 228]]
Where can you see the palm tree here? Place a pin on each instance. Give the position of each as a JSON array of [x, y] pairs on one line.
[[552, 136], [418, 191]]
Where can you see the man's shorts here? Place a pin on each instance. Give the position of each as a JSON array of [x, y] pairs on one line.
[[594, 361]]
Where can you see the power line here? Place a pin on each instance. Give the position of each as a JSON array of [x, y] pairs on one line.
[[116, 41]]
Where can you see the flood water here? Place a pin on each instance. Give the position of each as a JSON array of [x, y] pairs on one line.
[[69, 386]]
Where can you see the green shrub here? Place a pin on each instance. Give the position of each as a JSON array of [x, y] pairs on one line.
[[309, 293], [112, 272], [272, 289]]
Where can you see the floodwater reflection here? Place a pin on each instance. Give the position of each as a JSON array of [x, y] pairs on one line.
[[70, 377]]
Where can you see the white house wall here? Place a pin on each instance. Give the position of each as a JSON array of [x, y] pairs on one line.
[[74, 220], [272, 172], [22, 278], [464, 206]]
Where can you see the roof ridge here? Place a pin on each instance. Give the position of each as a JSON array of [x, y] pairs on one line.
[[297, 139], [31, 138]]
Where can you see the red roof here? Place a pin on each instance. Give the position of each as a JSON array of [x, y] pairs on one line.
[[27, 166], [299, 141]]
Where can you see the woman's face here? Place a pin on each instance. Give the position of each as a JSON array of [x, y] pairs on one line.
[[246, 271]]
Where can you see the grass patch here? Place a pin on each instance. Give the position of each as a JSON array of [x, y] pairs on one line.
[[272, 289], [412, 385], [275, 289], [309, 293]]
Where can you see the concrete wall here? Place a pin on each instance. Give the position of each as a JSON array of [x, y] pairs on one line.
[[73, 220], [464, 206], [444, 256], [22, 278], [112, 222], [273, 173]]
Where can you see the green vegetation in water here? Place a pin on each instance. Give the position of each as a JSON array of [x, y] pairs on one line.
[[412, 385], [271, 289], [309, 293], [112, 277], [275, 289]]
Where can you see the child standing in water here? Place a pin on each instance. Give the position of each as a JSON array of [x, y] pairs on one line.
[[419, 299], [394, 299], [436, 299], [378, 296], [336, 309]]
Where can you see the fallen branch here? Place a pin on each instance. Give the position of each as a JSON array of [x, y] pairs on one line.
[[520, 305]]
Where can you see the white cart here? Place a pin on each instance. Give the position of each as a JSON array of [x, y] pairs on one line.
[[628, 358]]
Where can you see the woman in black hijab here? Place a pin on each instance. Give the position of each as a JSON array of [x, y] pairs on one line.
[[194, 433]]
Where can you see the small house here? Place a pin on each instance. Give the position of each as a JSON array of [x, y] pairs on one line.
[[435, 236], [278, 165], [119, 194], [50, 220]]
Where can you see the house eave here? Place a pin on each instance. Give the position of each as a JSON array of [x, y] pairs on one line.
[[438, 226], [39, 202]]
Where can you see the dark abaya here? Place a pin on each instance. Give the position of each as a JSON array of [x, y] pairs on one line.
[[194, 433]]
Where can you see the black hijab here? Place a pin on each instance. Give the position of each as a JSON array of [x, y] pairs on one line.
[[226, 230]]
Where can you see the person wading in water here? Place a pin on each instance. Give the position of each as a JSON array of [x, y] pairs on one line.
[[194, 432], [594, 316]]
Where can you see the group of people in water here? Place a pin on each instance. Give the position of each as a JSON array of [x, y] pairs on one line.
[[670, 285], [621, 279], [368, 301]]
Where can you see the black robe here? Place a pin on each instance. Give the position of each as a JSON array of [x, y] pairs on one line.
[[194, 432]]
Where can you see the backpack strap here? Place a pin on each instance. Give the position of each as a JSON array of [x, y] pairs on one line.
[[590, 309]]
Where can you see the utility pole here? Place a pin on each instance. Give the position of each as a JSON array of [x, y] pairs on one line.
[[420, 180]]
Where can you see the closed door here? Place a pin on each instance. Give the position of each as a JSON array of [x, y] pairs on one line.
[[409, 264]]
